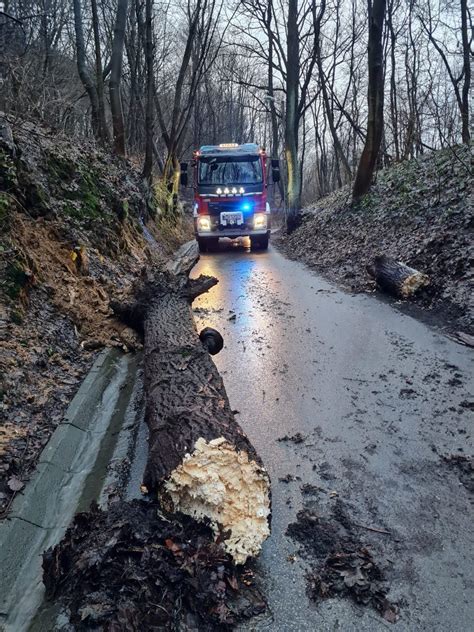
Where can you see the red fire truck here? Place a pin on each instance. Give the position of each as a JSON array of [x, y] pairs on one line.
[[230, 193]]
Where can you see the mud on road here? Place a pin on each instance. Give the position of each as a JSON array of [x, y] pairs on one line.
[[363, 417]]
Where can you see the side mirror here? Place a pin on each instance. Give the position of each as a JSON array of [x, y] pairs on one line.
[[184, 174], [276, 170]]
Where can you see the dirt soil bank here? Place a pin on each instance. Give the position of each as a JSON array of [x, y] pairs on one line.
[[72, 235], [421, 213]]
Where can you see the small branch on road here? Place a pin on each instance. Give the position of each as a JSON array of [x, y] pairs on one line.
[[374, 529]]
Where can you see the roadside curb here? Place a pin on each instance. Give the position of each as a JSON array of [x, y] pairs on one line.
[[40, 516]]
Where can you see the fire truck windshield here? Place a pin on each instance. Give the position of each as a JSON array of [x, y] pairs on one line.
[[225, 170]]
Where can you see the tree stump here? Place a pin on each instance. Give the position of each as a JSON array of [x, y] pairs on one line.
[[199, 461], [396, 278]]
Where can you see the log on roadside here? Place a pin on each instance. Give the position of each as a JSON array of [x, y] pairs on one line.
[[199, 461], [396, 278]]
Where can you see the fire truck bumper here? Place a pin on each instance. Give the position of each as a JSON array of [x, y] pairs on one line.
[[232, 233]]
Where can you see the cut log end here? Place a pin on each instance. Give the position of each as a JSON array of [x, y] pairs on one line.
[[413, 284], [219, 483]]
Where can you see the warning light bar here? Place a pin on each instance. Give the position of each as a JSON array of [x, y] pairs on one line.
[[228, 145]]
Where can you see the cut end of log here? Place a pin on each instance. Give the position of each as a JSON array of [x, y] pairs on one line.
[[222, 484], [413, 283]]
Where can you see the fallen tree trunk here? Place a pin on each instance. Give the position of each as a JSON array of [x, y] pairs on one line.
[[199, 462], [396, 278]]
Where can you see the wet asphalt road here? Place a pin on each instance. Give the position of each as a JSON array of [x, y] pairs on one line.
[[377, 397]]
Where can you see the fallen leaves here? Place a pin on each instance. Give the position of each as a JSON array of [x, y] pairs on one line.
[[135, 565], [341, 565], [15, 484]]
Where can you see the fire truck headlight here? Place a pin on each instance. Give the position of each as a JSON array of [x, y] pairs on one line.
[[226, 191], [259, 220], [241, 190], [219, 191], [204, 223]]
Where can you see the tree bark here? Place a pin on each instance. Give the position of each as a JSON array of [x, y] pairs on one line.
[[393, 83], [199, 461], [293, 187], [84, 74], [103, 130], [118, 125], [396, 278], [148, 164], [370, 152], [466, 135]]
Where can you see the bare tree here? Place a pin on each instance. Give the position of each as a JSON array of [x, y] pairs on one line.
[[202, 38], [325, 92], [466, 52], [462, 95], [149, 130], [293, 190], [375, 99], [118, 125], [99, 78], [84, 73]]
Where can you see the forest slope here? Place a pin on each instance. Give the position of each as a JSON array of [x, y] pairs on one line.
[[419, 212], [71, 237]]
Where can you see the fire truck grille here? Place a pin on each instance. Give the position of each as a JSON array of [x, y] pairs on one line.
[[215, 208]]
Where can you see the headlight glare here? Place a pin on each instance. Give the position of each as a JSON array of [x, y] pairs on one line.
[[204, 223], [259, 220]]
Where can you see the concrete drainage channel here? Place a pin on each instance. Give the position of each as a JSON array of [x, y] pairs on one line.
[[85, 460]]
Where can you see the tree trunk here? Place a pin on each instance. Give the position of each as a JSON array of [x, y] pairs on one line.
[[199, 460], [115, 78], [370, 152], [171, 179], [466, 136], [293, 188], [148, 164], [82, 69], [396, 278], [103, 130], [393, 83], [340, 155]]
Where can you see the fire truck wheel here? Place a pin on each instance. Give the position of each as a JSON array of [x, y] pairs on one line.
[[259, 242]]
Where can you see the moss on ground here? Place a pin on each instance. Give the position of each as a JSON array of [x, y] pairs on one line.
[[59, 169], [88, 195], [8, 175]]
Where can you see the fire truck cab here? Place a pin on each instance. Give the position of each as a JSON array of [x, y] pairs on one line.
[[230, 193]]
